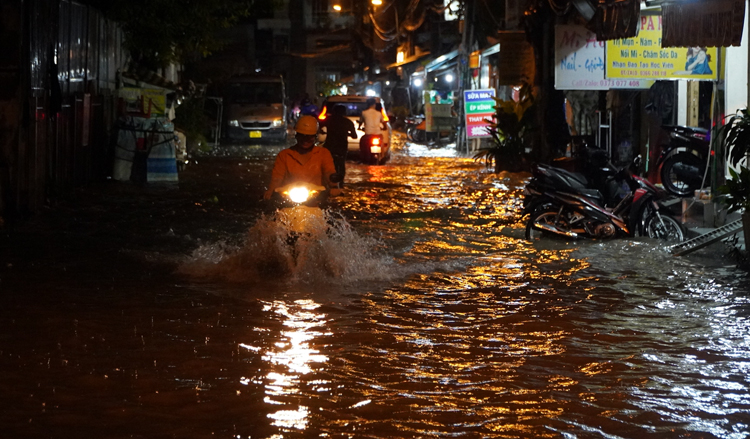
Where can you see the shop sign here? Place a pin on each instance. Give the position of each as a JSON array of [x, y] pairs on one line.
[[643, 57], [579, 62], [479, 106], [144, 100]]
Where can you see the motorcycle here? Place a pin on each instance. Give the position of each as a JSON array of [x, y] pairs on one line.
[[374, 150], [683, 161], [299, 208], [416, 132], [564, 203], [415, 129]]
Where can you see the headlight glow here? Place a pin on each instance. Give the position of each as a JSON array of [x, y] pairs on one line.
[[234, 123], [299, 194], [278, 122]]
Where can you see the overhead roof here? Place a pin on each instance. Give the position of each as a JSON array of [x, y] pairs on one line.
[[441, 62]]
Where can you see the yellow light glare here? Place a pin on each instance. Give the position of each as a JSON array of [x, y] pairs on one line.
[[299, 194], [377, 2], [337, 8]]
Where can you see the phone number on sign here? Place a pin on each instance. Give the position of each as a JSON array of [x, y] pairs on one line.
[[584, 83], [645, 73]]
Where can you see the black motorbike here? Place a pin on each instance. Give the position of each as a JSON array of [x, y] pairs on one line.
[[415, 129], [569, 204], [683, 161]]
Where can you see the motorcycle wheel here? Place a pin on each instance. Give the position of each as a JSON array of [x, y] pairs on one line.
[[682, 174], [544, 216], [416, 135], [410, 134], [671, 230]]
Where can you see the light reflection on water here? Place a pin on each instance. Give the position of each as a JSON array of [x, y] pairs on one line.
[[489, 335], [293, 357], [448, 324]]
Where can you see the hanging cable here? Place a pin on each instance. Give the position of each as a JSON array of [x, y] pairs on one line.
[[492, 16]]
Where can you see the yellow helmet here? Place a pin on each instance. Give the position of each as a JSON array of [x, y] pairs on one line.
[[307, 125]]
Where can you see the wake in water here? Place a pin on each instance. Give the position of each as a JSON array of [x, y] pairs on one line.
[[332, 253]]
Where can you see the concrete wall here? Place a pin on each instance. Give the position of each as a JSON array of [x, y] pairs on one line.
[[736, 83]]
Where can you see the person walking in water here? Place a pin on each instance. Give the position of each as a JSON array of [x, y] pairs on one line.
[[338, 129]]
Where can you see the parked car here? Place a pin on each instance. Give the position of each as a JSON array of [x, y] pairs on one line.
[[255, 108], [354, 107]]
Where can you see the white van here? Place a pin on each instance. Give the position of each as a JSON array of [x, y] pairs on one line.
[[255, 108]]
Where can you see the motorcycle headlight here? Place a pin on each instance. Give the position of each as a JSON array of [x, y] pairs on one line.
[[234, 123], [277, 123], [299, 194]]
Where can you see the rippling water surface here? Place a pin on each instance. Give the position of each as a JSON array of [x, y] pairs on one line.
[[424, 314]]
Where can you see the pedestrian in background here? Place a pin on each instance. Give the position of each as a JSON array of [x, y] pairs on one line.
[[338, 129]]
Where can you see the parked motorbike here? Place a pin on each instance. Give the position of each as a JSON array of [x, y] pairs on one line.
[[564, 203], [416, 131], [684, 159]]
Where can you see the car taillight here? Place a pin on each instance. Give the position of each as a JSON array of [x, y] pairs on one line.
[[376, 141], [322, 115]]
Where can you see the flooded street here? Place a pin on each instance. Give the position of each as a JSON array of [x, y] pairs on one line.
[[169, 313]]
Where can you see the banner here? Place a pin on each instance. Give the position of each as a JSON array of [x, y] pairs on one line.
[[479, 105], [579, 62], [643, 57]]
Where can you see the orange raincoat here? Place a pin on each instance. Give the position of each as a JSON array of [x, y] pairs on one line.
[[315, 167]]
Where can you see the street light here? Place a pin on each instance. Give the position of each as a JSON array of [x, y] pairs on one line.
[[377, 2], [337, 8]]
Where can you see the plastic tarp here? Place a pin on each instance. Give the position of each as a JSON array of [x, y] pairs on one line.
[[145, 151]]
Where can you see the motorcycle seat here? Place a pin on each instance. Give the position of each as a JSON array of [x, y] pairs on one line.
[[562, 177]]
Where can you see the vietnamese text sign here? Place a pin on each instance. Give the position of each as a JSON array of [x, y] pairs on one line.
[[579, 62], [479, 105], [643, 57]]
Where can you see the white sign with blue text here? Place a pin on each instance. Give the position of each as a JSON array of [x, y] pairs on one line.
[[579, 62]]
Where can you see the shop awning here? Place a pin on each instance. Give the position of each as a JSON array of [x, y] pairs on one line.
[[407, 60], [707, 23], [441, 62]]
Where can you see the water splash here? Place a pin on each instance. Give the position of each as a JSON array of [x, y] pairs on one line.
[[331, 252]]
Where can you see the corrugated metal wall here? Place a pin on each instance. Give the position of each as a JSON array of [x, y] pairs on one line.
[[67, 113]]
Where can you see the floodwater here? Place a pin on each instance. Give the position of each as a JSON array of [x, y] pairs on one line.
[[131, 312]]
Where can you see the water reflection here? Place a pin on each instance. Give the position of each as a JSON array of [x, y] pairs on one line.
[[293, 356]]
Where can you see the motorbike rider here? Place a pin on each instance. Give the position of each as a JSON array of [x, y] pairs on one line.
[[308, 108], [338, 128], [374, 124], [303, 162]]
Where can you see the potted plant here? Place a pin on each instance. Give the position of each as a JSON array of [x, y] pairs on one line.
[[508, 129], [734, 137], [734, 141]]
